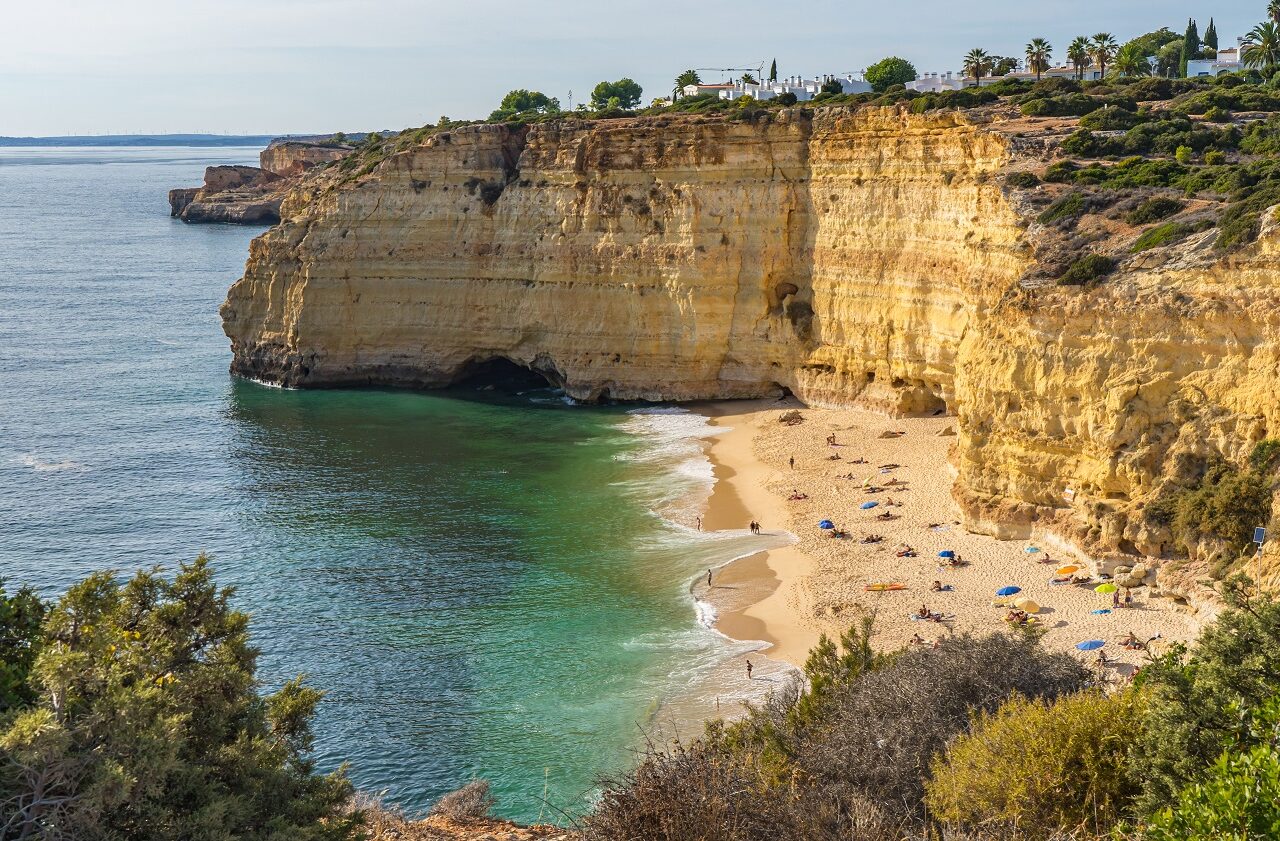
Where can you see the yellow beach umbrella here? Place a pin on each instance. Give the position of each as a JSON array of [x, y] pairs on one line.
[[1106, 589], [1068, 569], [1028, 605]]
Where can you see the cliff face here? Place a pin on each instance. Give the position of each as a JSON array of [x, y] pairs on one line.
[[870, 257], [291, 158], [237, 194], [250, 195]]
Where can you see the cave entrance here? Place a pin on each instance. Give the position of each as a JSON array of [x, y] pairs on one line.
[[501, 374]]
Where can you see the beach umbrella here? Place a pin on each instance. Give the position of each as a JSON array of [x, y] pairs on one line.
[[946, 553], [1068, 569], [1008, 591], [1031, 550], [826, 524], [1028, 605], [869, 504], [1106, 589], [1090, 645]]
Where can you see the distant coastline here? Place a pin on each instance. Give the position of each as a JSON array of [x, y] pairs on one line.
[[210, 140]]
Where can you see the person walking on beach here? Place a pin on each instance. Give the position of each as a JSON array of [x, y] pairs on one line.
[[792, 461], [699, 522], [749, 670], [708, 578]]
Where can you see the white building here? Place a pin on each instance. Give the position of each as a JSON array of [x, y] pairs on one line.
[[1227, 61], [937, 82], [803, 89]]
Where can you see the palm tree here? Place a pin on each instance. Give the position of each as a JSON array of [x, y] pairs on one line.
[[1273, 10], [1262, 45], [1079, 54], [1130, 61], [749, 79], [688, 77], [1039, 51], [977, 64], [1102, 49]]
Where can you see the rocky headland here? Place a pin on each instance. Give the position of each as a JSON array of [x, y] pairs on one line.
[[251, 195], [869, 257]]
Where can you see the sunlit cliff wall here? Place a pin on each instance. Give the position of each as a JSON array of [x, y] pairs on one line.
[[868, 258]]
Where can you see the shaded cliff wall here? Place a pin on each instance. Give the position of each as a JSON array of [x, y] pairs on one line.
[[869, 257]]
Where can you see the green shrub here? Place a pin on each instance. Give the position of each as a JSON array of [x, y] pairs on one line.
[[1062, 172], [1077, 746], [1217, 115], [1264, 455], [1052, 86], [148, 724], [1215, 157], [1242, 220], [1183, 154], [1111, 119], [1235, 665], [1262, 138], [1083, 143], [1087, 269], [1169, 232], [1239, 796], [1222, 510], [1070, 206], [1022, 180], [1066, 105], [1153, 210]]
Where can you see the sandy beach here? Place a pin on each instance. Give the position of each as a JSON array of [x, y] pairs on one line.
[[787, 597]]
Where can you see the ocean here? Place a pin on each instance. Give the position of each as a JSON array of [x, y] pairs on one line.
[[486, 585]]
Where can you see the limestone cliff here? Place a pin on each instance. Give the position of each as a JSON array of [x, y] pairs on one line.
[[250, 195], [237, 194], [871, 257]]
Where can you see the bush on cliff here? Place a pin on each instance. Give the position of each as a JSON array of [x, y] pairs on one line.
[[1192, 694], [1040, 767], [1239, 796], [848, 762], [1087, 269], [1222, 510], [148, 725]]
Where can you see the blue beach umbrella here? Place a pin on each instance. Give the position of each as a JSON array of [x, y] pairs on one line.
[[1008, 591], [1031, 550], [826, 524], [871, 504], [1090, 645], [946, 553]]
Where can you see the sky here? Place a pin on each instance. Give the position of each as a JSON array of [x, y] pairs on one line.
[[311, 66]]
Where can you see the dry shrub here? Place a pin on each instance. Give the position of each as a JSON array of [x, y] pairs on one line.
[[850, 768], [472, 802]]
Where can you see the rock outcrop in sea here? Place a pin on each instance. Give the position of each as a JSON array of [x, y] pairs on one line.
[[871, 257], [251, 195]]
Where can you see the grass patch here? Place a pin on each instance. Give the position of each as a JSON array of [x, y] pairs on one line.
[[1087, 269], [1153, 210], [1070, 206]]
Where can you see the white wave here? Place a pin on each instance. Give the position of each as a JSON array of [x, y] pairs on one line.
[[706, 613], [41, 466]]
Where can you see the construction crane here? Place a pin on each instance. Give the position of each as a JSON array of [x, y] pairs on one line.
[[758, 71]]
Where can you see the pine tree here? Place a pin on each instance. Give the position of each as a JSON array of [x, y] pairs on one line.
[[1190, 47], [773, 71], [1211, 36]]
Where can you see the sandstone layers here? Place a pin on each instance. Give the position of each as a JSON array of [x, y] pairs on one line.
[[251, 195], [871, 258]]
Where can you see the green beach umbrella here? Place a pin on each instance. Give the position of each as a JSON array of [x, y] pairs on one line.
[[1106, 589]]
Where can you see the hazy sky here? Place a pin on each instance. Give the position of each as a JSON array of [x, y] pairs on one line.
[[277, 66]]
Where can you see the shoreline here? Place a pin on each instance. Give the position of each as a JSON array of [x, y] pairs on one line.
[[740, 495], [784, 598]]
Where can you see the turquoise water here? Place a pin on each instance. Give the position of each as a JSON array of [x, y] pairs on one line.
[[486, 585]]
